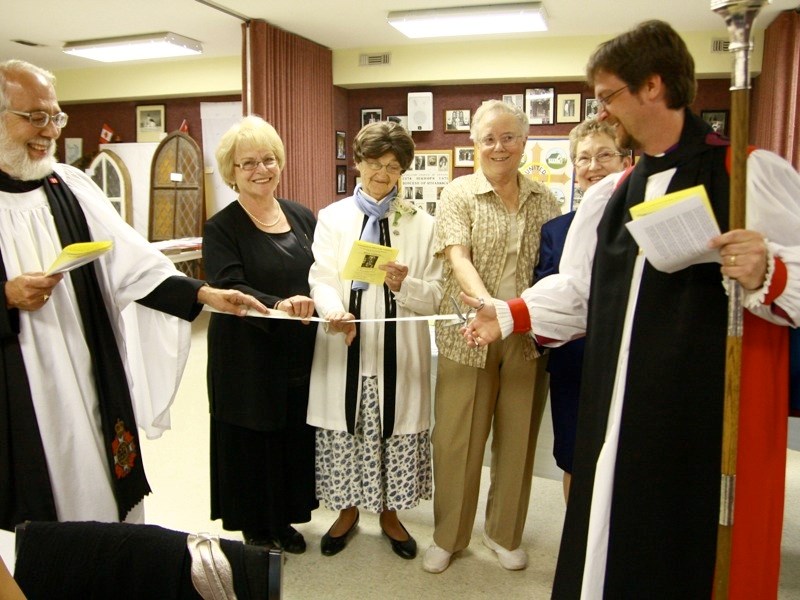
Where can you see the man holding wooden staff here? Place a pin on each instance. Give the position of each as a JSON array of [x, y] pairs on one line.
[[643, 509]]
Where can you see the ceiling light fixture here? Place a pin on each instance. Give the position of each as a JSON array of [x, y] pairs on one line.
[[135, 47], [470, 20]]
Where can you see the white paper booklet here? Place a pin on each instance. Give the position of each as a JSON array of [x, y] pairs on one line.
[[674, 231]]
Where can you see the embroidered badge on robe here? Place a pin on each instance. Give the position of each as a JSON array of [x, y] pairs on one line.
[[124, 449]]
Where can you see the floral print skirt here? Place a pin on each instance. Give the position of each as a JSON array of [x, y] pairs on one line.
[[368, 471]]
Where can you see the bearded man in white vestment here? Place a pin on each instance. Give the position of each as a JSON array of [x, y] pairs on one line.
[[83, 355]]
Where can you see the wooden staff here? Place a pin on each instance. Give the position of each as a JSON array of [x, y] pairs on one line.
[[739, 16]]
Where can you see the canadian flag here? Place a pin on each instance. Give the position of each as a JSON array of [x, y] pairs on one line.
[[184, 128], [106, 133]]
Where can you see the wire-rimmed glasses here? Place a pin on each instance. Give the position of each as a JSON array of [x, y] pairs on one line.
[[251, 164], [602, 103], [40, 119], [601, 158]]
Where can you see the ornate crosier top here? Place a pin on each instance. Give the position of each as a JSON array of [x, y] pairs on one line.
[[402, 207]]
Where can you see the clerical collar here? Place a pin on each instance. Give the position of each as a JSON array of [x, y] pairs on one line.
[[17, 186], [667, 151]]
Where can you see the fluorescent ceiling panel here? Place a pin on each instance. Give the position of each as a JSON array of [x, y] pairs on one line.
[[470, 20], [136, 47]]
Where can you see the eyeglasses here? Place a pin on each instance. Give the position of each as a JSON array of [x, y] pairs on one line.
[[41, 119], [601, 103], [250, 164], [391, 168], [601, 158], [490, 141]]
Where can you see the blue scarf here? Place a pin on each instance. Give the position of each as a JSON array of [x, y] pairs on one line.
[[375, 211]]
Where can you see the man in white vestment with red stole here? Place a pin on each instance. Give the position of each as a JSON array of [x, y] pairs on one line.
[[644, 504]]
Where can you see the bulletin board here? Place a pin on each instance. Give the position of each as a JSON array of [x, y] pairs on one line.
[[424, 180], [546, 160]]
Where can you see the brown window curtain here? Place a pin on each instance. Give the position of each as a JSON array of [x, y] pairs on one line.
[[288, 80], [776, 92]]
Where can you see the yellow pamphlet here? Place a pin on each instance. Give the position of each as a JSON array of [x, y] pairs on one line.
[[364, 260], [651, 206], [77, 255]]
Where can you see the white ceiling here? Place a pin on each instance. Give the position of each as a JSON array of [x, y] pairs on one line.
[[336, 24]]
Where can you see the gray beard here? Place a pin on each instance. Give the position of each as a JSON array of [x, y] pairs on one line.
[[14, 160]]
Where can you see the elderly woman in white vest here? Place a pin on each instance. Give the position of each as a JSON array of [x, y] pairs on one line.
[[370, 381]]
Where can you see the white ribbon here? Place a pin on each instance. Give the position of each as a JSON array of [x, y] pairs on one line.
[[280, 314]]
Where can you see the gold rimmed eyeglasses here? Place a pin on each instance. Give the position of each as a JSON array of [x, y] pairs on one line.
[[391, 168], [40, 119], [602, 103], [251, 164]]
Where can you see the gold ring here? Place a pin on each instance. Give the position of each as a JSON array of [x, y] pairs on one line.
[[733, 260], [46, 297]]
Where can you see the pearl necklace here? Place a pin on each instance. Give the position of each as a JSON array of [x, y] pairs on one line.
[[260, 222]]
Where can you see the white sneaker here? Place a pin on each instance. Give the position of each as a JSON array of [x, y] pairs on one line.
[[513, 560], [436, 559]]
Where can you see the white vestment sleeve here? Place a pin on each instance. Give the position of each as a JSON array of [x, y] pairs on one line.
[[558, 303], [773, 209]]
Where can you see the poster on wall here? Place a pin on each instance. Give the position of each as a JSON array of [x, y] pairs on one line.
[[546, 160], [424, 180]]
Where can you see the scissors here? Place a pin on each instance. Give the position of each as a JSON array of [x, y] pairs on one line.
[[461, 319]]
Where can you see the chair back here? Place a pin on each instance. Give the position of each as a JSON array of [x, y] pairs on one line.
[[122, 560]]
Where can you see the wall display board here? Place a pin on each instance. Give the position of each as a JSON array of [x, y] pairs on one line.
[[429, 172], [546, 160]]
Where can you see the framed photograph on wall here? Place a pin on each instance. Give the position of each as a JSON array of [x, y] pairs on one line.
[[591, 108], [515, 99], [718, 119], [341, 179], [150, 123], [539, 105], [569, 108], [340, 145], [73, 150], [456, 120], [371, 115], [464, 156]]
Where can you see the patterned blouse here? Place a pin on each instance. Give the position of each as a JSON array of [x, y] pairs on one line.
[[471, 214]]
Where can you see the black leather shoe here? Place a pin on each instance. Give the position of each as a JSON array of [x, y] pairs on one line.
[[257, 538], [333, 545], [406, 549], [290, 540]]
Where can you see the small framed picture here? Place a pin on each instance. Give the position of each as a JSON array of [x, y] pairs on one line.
[[340, 146], [341, 179], [464, 156], [371, 115], [73, 150], [590, 108], [539, 105], [401, 119], [718, 119], [515, 99], [569, 108], [456, 120], [150, 123]]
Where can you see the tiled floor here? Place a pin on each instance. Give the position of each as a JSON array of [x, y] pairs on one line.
[[177, 467]]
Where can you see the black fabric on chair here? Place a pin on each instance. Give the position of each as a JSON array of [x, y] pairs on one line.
[[90, 560]]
